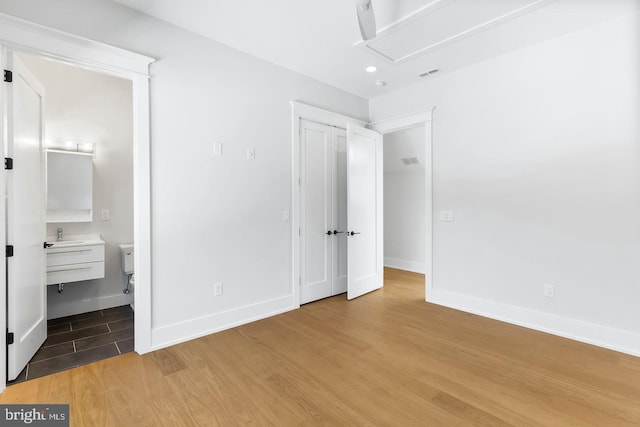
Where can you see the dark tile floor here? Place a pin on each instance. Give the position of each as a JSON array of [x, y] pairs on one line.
[[80, 339]]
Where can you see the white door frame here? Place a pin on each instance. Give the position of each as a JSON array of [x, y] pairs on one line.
[[303, 111], [20, 35], [394, 124]]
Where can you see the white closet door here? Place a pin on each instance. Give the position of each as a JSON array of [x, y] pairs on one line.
[[316, 215], [340, 211], [26, 277], [364, 211]]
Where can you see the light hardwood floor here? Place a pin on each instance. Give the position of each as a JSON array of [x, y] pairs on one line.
[[386, 359]]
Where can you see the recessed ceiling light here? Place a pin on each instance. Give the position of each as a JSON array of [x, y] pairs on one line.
[[381, 83], [371, 69]]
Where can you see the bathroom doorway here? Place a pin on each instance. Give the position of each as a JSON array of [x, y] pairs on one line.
[[88, 301]]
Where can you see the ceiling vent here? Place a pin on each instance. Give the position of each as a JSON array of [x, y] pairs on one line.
[[411, 161], [428, 73]]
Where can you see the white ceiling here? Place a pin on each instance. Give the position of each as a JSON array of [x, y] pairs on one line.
[[320, 38]]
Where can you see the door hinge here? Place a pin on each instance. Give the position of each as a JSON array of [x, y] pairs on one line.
[[9, 251], [8, 163], [10, 337], [8, 76]]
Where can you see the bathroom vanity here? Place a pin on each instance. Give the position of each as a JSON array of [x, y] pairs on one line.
[[74, 259]]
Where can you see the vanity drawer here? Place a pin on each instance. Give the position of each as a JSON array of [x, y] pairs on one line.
[[74, 272], [74, 255]]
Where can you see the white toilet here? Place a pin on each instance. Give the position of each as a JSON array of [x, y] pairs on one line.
[[126, 258]]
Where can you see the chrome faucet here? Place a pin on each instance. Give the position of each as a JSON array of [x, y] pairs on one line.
[[59, 234]]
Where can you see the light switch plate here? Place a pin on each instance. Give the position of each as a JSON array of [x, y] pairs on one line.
[[105, 215], [549, 290]]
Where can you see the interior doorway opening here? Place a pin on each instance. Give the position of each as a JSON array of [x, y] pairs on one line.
[[86, 149], [404, 200], [301, 113], [419, 123], [20, 35]]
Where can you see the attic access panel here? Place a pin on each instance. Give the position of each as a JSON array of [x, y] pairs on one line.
[[443, 22]]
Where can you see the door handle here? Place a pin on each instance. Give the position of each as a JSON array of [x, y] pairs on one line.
[[337, 232], [328, 233], [353, 233], [47, 245]]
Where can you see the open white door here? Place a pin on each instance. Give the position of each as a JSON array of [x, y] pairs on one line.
[[26, 228], [364, 211]]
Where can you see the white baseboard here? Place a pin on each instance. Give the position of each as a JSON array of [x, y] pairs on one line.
[[176, 333], [403, 264], [69, 308], [590, 333]]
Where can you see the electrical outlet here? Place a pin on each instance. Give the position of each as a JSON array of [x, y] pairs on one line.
[[217, 289], [549, 291], [105, 215], [446, 216], [251, 153]]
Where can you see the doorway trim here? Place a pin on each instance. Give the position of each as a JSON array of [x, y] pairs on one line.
[[300, 111], [394, 124], [20, 35]]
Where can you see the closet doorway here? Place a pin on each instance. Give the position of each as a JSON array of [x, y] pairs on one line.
[[323, 207], [338, 229]]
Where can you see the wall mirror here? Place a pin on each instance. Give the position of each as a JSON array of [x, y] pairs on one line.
[[69, 186]]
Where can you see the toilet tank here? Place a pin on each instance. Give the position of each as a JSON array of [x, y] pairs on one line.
[[126, 257]]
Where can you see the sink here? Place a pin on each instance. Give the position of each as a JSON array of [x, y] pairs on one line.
[[65, 242], [72, 240]]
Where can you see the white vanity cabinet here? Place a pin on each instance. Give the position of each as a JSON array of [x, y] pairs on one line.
[[75, 260]]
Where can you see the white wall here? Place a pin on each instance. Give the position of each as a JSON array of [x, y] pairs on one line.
[[538, 154], [404, 200], [213, 219], [85, 106]]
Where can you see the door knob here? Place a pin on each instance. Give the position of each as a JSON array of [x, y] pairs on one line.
[[353, 232], [328, 233]]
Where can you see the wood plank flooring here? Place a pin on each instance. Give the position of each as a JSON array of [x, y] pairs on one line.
[[386, 359]]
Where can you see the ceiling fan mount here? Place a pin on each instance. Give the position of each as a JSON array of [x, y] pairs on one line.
[[366, 19]]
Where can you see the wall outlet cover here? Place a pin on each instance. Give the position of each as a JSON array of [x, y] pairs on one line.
[[217, 289], [446, 216]]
